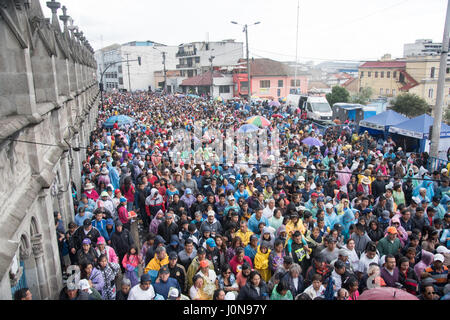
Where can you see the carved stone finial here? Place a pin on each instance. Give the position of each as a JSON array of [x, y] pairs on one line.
[[54, 6], [64, 17]]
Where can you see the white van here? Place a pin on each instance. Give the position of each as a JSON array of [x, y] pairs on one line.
[[316, 107]]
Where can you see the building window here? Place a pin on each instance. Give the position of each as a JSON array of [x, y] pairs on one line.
[[120, 80], [264, 84], [224, 89], [448, 70], [381, 91], [369, 74], [280, 83], [197, 59], [119, 69], [432, 72], [382, 74], [393, 92], [430, 93], [388, 74], [244, 85], [295, 83], [362, 74], [376, 74], [394, 75], [387, 91]]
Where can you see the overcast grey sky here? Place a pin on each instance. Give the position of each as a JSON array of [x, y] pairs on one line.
[[328, 29]]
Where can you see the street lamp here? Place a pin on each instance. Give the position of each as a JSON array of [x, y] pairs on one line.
[[249, 86]]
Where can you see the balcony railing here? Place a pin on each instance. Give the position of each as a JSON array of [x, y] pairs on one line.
[[186, 53]]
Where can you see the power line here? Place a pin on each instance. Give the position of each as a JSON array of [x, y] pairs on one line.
[[43, 144]]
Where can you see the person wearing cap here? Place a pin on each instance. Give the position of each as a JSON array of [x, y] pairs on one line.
[[390, 244], [177, 271], [331, 252], [195, 265], [86, 252], [212, 254], [232, 204], [439, 272], [89, 191], [164, 282], [144, 290], [121, 241], [103, 248], [85, 231], [168, 228], [209, 278], [330, 216], [107, 203]]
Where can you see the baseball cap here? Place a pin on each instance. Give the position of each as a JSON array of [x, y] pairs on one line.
[[442, 249], [101, 240], [117, 191], [344, 252], [392, 230], [122, 199], [314, 194], [439, 257], [84, 284], [231, 198], [87, 241], [164, 270], [104, 194], [211, 213], [328, 206], [87, 222], [173, 255], [204, 264], [145, 278], [201, 250], [210, 242], [173, 294]]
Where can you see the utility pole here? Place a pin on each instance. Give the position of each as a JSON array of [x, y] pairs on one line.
[[165, 75], [296, 48], [248, 61], [438, 108], [212, 77], [129, 78]]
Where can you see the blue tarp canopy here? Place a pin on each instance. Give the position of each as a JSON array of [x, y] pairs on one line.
[[419, 128], [348, 106], [122, 119], [383, 120]]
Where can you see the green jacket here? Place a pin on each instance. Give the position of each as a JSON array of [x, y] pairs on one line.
[[276, 296], [387, 247]]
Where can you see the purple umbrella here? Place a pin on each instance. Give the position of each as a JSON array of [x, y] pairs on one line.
[[310, 141], [386, 293], [274, 103]]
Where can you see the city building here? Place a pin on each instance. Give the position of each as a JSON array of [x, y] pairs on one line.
[[220, 82], [318, 87], [270, 79], [132, 75], [425, 70], [173, 78], [49, 98], [423, 47], [386, 77], [196, 58]]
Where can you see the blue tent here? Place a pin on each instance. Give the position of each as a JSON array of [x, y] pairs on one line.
[[123, 120], [419, 128], [383, 121]]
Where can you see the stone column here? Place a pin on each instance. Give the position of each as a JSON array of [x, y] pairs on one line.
[[66, 193], [38, 253]]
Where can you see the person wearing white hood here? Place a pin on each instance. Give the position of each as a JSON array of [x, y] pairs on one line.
[[212, 223], [154, 202]]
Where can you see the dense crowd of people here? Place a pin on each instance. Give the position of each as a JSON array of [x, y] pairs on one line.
[[350, 214]]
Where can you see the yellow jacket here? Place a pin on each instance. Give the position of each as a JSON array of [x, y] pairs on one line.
[[262, 264], [156, 264], [245, 237], [291, 227]]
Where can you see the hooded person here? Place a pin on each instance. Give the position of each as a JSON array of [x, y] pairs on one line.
[[281, 233], [157, 219], [402, 235], [188, 198], [267, 236], [262, 261], [159, 242], [427, 259], [174, 244], [346, 220], [153, 203]]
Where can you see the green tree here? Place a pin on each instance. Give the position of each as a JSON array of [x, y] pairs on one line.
[[410, 105], [338, 94], [363, 96]]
